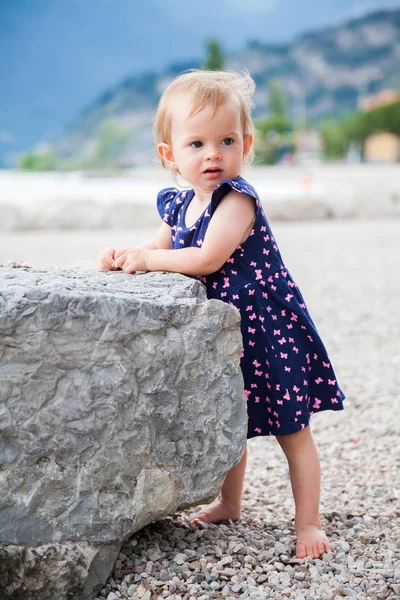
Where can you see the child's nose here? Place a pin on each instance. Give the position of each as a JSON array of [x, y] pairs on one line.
[[213, 152]]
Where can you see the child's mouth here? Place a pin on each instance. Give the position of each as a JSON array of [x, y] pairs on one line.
[[213, 172]]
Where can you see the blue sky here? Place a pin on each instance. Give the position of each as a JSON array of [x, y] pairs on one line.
[[59, 55]]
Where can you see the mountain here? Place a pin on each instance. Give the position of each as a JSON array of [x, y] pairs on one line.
[[322, 72]]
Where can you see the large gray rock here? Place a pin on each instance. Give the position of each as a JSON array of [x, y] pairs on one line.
[[121, 401]]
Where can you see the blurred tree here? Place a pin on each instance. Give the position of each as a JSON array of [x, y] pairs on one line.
[[111, 140], [275, 133], [42, 160], [277, 102], [215, 59]]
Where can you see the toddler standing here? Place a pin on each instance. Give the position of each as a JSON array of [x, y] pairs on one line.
[[218, 231]]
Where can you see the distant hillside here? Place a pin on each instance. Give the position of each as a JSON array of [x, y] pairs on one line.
[[323, 72]]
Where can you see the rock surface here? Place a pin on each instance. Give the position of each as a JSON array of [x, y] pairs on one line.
[[121, 400]]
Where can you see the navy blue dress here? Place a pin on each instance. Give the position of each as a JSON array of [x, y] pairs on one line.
[[286, 370]]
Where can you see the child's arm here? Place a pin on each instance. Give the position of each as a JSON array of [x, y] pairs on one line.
[[225, 232], [161, 239]]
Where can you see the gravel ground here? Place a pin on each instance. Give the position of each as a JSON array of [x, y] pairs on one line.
[[349, 273]]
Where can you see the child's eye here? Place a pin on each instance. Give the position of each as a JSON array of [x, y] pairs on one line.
[[196, 144], [227, 141]]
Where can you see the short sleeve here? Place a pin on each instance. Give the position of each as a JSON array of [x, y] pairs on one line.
[[239, 185], [165, 201]]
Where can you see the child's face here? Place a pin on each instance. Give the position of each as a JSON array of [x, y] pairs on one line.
[[206, 148]]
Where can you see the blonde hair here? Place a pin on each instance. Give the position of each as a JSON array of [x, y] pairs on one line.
[[208, 88]]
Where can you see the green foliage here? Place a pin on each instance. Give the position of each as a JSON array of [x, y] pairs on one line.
[[276, 99], [110, 142], [274, 134], [215, 59], [338, 134], [44, 160]]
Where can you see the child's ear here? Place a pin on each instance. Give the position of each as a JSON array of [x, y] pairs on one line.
[[247, 144], [165, 151]]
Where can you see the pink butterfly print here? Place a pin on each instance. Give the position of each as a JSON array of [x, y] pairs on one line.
[[308, 358], [282, 341], [254, 385], [298, 413], [247, 394], [303, 369], [275, 248], [334, 401], [203, 279], [268, 399], [277, 332], [262, 282], [207, 214], [234, 272], [303, 326], [256, 363], [265, 295], [259, 373], [180, 229], [338, 393], [265, 251], [257, 399], [178, 200], [263, 228], [315, 356], [214, 285], [269, 386], [266, 238], [230, 260], [262, 319], [331, 381], [258, 274], [252, 317], [263, 328], [287, 395], [252, 343], [326, 364], [235, 297], [288, 369], [296, 389], [278, 424], [193, 228], [257, 430], [250, 330], [274, 317], [199, 242], [319, 380], [303, 305], [268, 265], [173, 238], [299, 398], [226, 282], [242, 354], [305, 382], [266, 375], [251, 292], [278, 387], [253, 264], [223, 272], [288, 297], [182, 242], [279, 401], [284, 355], [290, 326], [166, 217], [283, 313], [249, 307], [275, 414], [291, 340], [302, 425], [252, 232], [270, 422], [223, 294], [317, 403], [295, 349], [273, 287], [270, 279], [294, 317]]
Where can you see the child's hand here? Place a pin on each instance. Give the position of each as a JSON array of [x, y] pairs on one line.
[[105, 260], [130, 260]]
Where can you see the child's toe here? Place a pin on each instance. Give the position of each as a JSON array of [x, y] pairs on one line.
[[301, 551]]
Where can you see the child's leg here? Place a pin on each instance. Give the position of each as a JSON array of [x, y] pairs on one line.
[[228, 504], [305, 478]]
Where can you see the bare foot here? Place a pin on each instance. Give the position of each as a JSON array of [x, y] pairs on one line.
[[311, 541], [216, 512]]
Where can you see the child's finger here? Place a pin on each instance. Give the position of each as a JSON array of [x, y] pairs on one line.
[[119, 253]]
